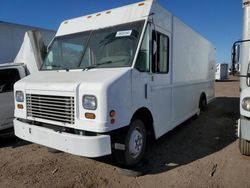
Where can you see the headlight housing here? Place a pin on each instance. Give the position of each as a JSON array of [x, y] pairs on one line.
[[19, 96], [89, 102], [246, 104]]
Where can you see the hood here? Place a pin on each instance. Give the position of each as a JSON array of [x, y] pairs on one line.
[[70, 81]]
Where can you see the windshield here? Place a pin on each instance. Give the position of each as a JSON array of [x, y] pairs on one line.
[[104, 48]]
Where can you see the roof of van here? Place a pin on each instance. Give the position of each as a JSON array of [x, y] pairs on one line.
[[125, 14]]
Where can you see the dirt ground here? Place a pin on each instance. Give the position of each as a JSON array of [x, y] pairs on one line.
[[201, 152]]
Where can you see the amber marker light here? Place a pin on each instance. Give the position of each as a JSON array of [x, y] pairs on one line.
[[20, 106], [108, 12], [112, 113], [89, 17], [89, 115], [98, 14], [141, 4]]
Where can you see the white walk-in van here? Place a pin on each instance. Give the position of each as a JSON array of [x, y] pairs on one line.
[[241, 59], [112, 79]]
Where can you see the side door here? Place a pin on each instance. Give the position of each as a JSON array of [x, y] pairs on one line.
[[8, 77], [161, 89], [141, 75]]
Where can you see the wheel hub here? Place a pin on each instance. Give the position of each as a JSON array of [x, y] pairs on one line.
[[135, 143]]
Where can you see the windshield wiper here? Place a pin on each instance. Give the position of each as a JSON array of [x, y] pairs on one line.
[[99, 64], [96, 65]]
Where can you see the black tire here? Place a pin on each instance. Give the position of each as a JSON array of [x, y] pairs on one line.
[[244, 146], [51, 150], [136, 134], [202, 106], [203, 103]]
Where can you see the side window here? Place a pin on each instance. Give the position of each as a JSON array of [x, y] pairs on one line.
[[8, 78], [160, 46], [143, 58]]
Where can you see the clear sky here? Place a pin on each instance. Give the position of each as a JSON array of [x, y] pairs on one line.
[[220, 21]]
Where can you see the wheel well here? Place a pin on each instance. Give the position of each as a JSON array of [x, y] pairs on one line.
[[145, 115]]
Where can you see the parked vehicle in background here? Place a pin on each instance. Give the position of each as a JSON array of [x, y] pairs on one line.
[[112, 79], [11, 39], [240, 53], [9, 74], [221, 71], [12, 72]]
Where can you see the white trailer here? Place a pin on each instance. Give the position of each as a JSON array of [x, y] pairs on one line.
[[12, 72], [112, 79], [221, 71], [240, 53], [11, 38]]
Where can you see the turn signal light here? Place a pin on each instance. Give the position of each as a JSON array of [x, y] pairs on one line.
[[20, 106], [89, 115]]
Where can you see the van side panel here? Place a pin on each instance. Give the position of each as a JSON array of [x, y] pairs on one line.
[[193, 71]]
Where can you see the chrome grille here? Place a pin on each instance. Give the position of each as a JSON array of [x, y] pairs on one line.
[[49, 107]]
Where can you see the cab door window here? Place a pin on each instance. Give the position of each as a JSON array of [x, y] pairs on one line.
[[143, 59], [160, 57]]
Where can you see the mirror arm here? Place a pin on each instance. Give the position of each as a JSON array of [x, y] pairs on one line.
[[234, 54]]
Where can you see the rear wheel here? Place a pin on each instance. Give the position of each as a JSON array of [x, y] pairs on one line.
[[135, 144], [203, 103]]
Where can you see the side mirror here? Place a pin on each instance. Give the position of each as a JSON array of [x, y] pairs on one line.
[[235, 57]]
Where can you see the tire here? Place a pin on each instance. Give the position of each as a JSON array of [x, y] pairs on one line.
[[51, 150], [244, 146], [202, 106], [135, 144], [203, 103]]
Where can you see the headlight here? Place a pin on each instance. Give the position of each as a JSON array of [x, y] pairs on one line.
[[246, 103], [89, 102], [19, 96]]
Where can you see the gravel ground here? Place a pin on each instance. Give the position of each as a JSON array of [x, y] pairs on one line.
[[201, 152]]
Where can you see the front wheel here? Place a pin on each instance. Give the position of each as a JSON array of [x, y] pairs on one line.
[[135, 144]]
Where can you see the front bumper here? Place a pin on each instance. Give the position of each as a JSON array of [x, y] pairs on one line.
[[87, 146]]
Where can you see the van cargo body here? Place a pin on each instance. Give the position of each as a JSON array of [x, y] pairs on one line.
[[140, 73]]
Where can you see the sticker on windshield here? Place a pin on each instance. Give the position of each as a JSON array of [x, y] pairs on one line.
[[126, 33]]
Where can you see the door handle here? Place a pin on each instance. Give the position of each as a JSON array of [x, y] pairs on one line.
[[146, 91]]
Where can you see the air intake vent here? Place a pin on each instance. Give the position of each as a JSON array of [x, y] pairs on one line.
[[49, 107]]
